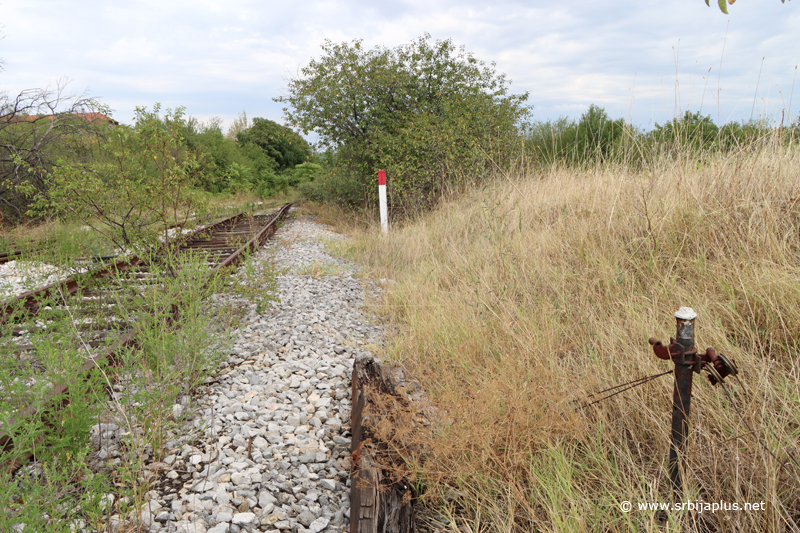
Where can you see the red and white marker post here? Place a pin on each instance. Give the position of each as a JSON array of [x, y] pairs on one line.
[[382, 201]]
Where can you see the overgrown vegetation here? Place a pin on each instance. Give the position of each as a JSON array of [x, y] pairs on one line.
[[67, 487], [539, 259], [429, 113], [517, 301], [57, 149], [437, 119], [38, 127], [137, 189], [596, 137], [259, 157]]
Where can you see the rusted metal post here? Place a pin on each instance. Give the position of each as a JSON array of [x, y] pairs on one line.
[[685, 363], [683, 354]]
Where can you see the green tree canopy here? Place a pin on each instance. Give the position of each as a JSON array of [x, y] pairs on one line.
[[597, 133], [693, 129], [280, 143], [427, 112], [595, 137]]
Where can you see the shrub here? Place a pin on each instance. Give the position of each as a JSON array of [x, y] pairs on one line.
[[304, 172], [38, 127], [140, 186], [279, 143], [428, 113]]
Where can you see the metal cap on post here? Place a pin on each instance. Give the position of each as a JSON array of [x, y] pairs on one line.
[[685, 317], [382, 201]]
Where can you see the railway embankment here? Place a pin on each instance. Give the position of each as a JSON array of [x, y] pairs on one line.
[[264, 444]]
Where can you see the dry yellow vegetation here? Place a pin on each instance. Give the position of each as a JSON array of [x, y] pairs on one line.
[[516, 302]]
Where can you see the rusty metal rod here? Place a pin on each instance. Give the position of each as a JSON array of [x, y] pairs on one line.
[[682, 394], [681, 405]]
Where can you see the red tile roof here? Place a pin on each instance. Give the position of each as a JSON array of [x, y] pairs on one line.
[[89, 117]]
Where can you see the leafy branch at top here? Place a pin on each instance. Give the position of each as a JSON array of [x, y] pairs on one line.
[[723, 5], [428, 112]]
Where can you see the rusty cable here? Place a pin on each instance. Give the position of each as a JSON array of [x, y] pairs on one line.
[[629, 385]]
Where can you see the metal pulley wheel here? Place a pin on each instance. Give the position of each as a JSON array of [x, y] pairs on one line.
[[729, 364], [713, 375]]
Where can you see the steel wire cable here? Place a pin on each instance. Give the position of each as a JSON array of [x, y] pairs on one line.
[[629, 385]]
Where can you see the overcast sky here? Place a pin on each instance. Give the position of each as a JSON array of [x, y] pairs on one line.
[[218, 58]]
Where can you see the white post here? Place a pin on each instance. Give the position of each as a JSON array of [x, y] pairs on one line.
[[382, 200]]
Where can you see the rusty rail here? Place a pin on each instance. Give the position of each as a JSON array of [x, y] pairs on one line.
[[5, 257], [254, 243], [32, 300], [56, 398]]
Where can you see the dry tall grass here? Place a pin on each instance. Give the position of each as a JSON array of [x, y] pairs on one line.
[[515, 302]]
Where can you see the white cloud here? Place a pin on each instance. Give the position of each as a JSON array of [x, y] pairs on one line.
[[219, 57]]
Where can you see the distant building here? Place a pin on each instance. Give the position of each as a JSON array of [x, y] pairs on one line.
[[98, 118], [94, 118]]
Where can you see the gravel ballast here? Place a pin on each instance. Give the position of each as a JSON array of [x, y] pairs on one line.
[[267, 440]]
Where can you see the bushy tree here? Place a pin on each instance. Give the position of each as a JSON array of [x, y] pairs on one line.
[[218, 158], [37, 127], [594, 137], [138, 187], [741, 135], [228, 166], [693, 130], [279, 143], [597, 134], [428, 113]]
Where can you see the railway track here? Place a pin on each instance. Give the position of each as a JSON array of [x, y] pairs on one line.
[[217, 243], [15, 252], [89, 303], [5, 257]]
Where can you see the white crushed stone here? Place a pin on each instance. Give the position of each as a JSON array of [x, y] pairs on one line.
[[275, 452], [19, 277]]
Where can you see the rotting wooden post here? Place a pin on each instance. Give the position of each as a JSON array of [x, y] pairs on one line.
[[376, 502]]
